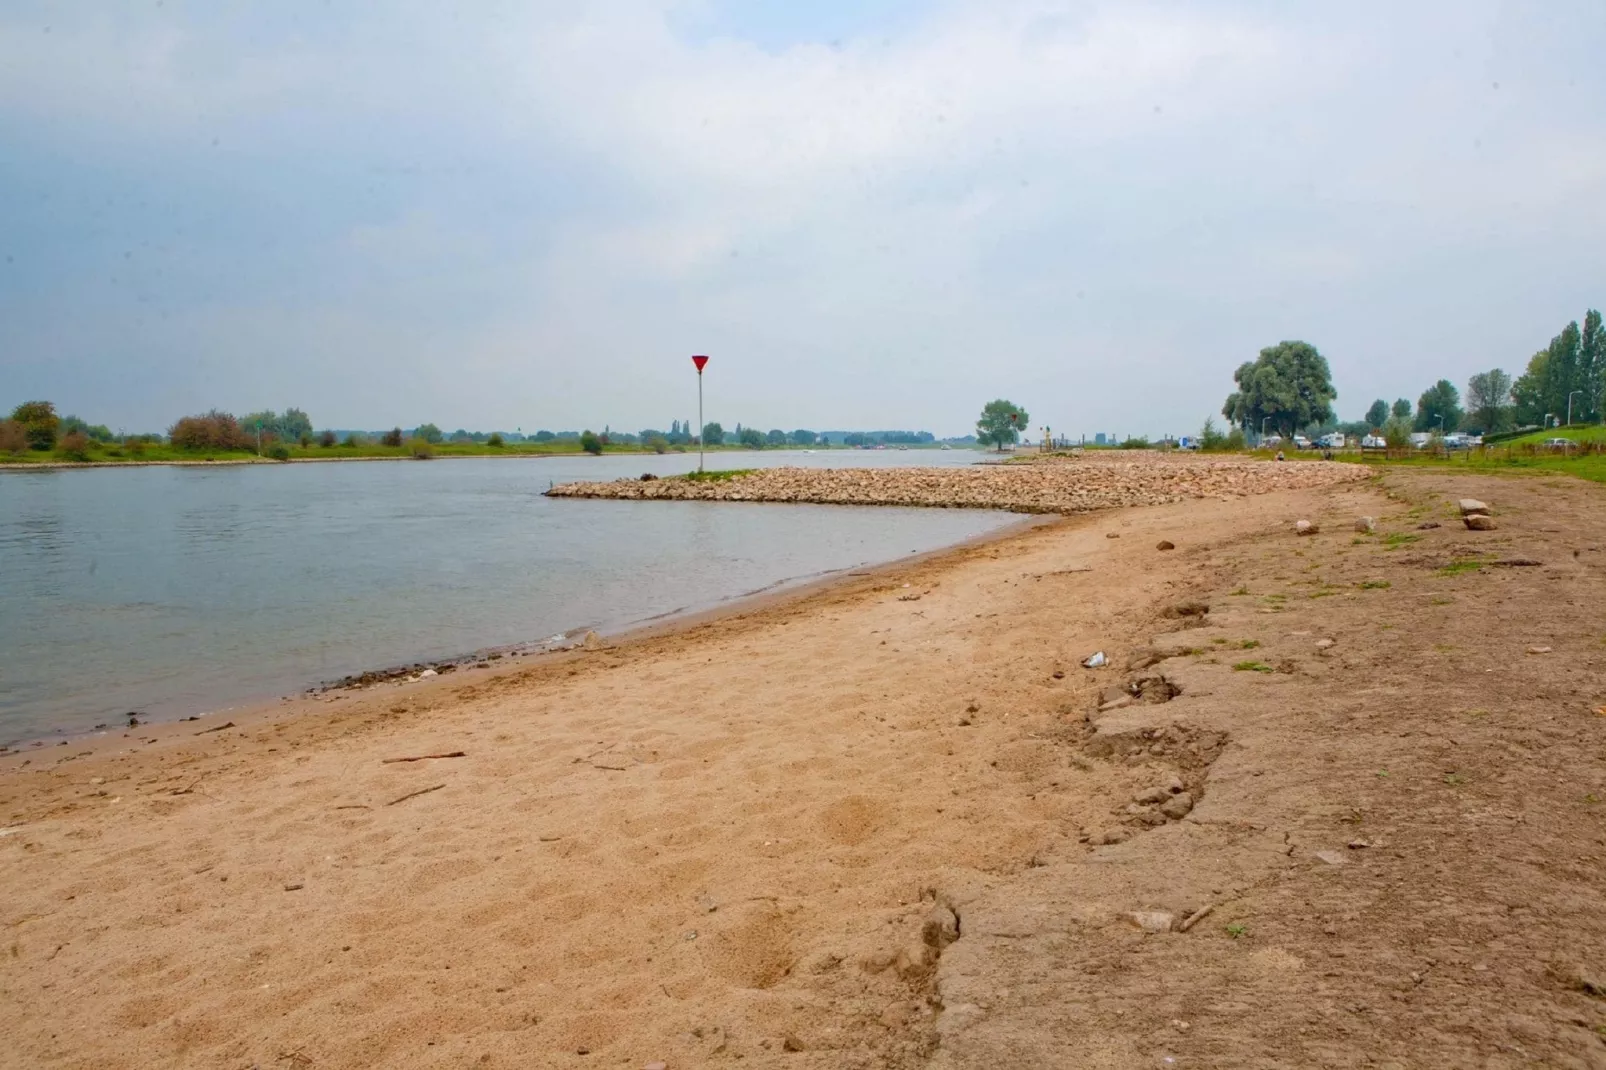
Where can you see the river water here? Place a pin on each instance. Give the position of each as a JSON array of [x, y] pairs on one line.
[[176, 591]]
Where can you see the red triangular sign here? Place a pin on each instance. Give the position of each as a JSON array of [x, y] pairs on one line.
[[699, 361]]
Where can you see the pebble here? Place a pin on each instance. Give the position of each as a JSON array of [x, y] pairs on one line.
[[1539, 650], [1365, 525], [427, 673], [1332, 858], [1478, 522], [1178, 806], [1165, 544], [1324, 644], [1152, 921], [1305, 527], [296, 887], [898, 1013]]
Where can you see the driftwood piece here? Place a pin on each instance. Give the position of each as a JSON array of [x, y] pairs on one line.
[[415, 794], [426, 757]]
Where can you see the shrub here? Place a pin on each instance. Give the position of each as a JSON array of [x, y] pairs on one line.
[[1397, 433], [1136, 443], [495, 441], [1235, 439], [135, 445], [326, 439], [591, 443], [74, 446], [13, 438], [420, 449], [352, 441], [39, 423], [279, 451], [215, 430], [1210, 437], [393, 437], [305, 438], [658, 443]]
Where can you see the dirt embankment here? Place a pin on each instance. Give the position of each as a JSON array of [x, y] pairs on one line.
[[1090, 482], [896, 824]]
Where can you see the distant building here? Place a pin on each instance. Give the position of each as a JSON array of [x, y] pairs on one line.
[[1098, 439]]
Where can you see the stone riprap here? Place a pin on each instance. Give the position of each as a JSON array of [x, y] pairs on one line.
[[1091, 481]]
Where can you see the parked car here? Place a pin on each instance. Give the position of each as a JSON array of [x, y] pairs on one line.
[[1374, 442], [1271, 442], [1419, 439], [1301, 442], [1559, 443]]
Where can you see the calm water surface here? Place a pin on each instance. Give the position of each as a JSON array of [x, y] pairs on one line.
[[183, 590]]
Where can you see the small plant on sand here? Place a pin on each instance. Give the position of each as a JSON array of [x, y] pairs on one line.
[[1252, 666], [1454, 779], [1460, 565], [1400, 538], [1244, 590], [1375, 585], [1248, 644], [1237, 929]]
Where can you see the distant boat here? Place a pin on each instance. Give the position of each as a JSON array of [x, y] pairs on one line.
[[945, 445]]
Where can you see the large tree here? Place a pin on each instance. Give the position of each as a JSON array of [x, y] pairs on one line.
[[713, 434], [1488, 398], [1439, 407], [1401, 409], [1378, 414], [1592, 366], [1562, 371], [1289, 386], [40, 424], [1001, 423]]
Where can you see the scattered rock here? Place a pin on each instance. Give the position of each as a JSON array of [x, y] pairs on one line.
[[899, 1013], [1305, 527], [294, 887], [1152, 921], [1111, 535], [791, 1043], [1324, 644], [1365, 525], [1429, 526], [1161, 792], [914, 960], [940, 928], [1539, 650], [1059, 674], [1188, 609], [877, 961], [1469, 506], [1109, 837], [1358, 845], [1478, 522], [1177, 807], [647, 477], [427, 673], [1165, 544]]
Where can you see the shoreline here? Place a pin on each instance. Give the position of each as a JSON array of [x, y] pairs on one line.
[[493, 661]]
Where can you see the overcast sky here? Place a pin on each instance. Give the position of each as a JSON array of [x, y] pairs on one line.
[[872, 214]]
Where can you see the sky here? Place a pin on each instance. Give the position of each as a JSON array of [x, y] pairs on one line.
[[878, 214]]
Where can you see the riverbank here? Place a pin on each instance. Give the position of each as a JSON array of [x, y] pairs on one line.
[[1088, 482], [890, 823], [168, 456]]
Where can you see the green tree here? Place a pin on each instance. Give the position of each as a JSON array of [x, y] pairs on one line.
[[294, 423], [1289, 386], [713, 434], [1378, 414], [656, 442], [1592, 365], [591, 443], [326, 439], [853, 438], [544, 436], [1001, 423], [1211, 437], [393, 437], [429, 433], [1397, 432], [495, 441], [40, 424], [1562, 371], [1439, 407], [1488, 400], [13, 437], [776, 437], [751, 437], [804, 438]]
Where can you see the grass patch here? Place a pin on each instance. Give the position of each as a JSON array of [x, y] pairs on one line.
[[1374, 585], [1239, 592], [1460, 565], [1400, 538], [1247, 644], [719, 475], [1252, 666], [1237, 929], [1442, 602], [1454, 779], [1276, 597]]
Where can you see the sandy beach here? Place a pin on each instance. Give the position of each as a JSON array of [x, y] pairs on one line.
[[894, 822]]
